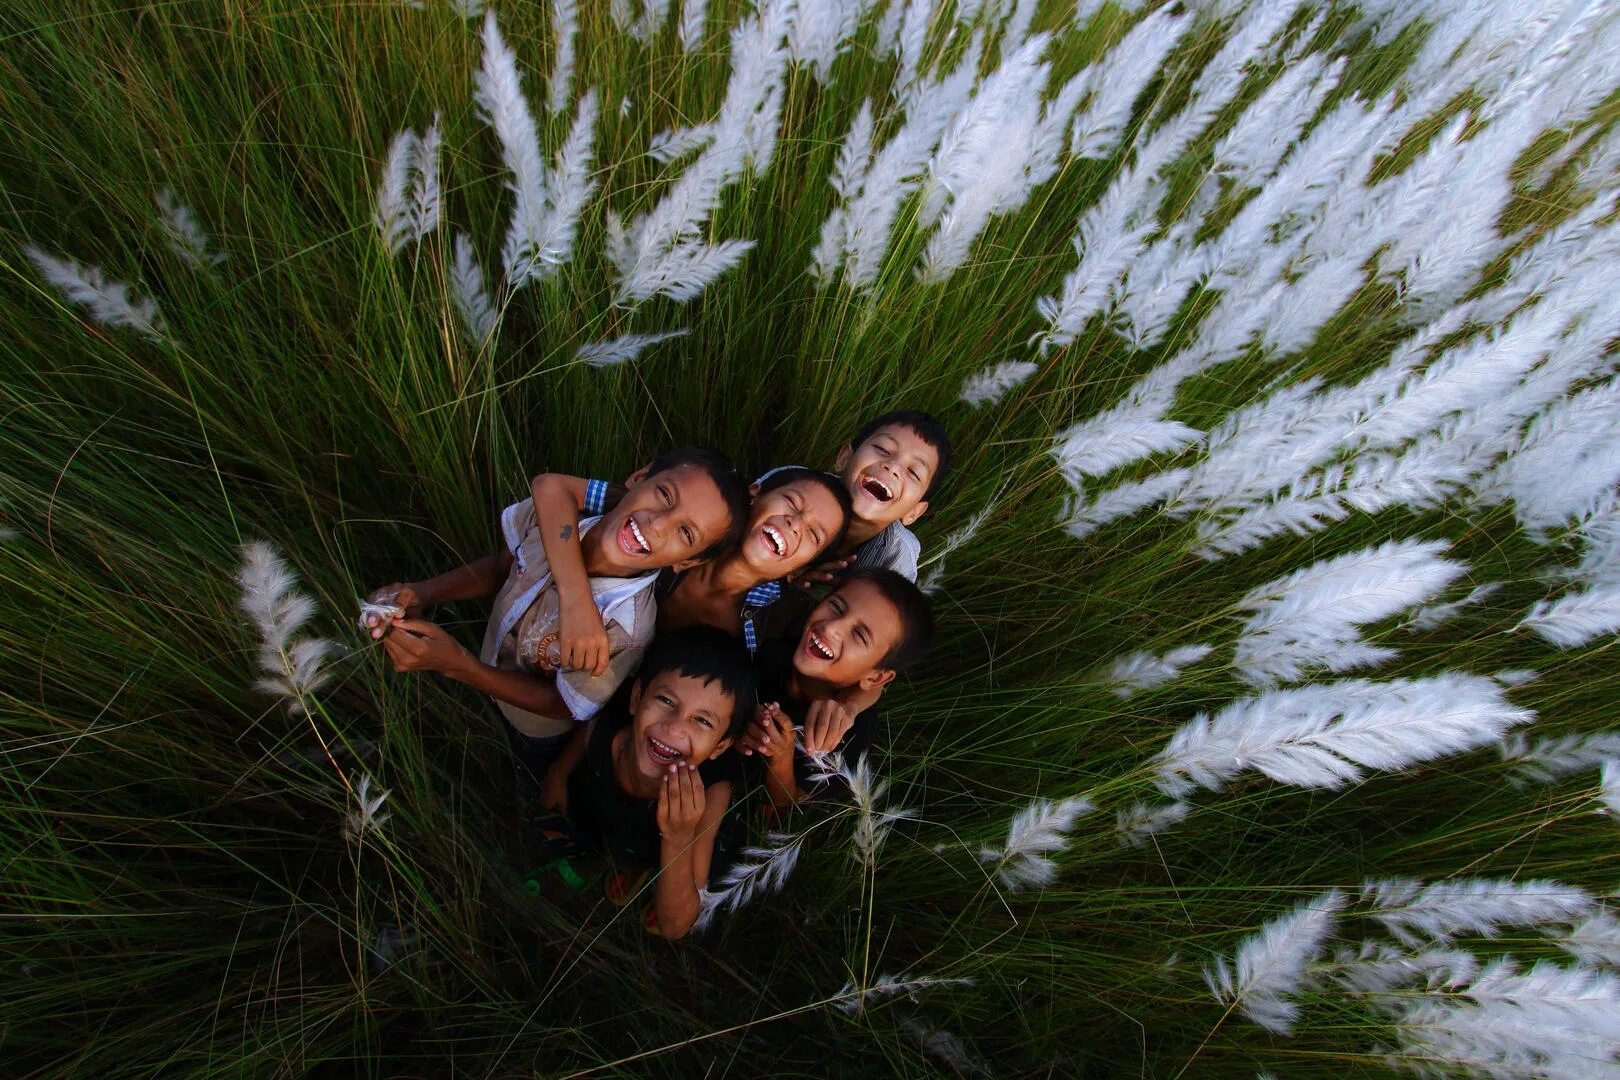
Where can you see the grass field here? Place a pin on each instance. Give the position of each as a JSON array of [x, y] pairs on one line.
[[1282, 554]]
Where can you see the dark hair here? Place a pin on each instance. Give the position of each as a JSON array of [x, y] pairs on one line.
[[703, 652], [789, 473], [916, 614], [925, 426], [733, 490]]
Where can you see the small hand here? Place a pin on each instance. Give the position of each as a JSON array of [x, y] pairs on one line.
[[402, 594], [680, 804], [825, 726], [418, 645], [582, 641], [823, 573]]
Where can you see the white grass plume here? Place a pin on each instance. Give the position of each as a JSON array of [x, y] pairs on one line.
[[623, 349], [1120, 78], [1543, 761], [1609, 787], [1140, 822], [852, 1000], [393, 194], [184, 233], [1307, 621], [1594, 940], [1114, 438], [363, 818], [996, 381], [1325, 735], [1415, 913], [759, 870], [570, 185], [479, 316], [426, 199], [1036, 832], [873, 822], [564, 28], [1576, 618], [820, 31], [109, 302], [1433, 615], [947, 1049], [1139, 671], [1376, 968], [277, 610], [694, 16], [1271, 964]]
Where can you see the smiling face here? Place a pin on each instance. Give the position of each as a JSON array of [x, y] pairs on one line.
[[667, 519], [888, 475], [789, 526], [678, 718], [847, 637]]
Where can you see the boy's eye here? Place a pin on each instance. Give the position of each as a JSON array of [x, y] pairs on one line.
[[688, 536], [914, 475], [669, 496], [704, 720], [861, 636], [666, 699]]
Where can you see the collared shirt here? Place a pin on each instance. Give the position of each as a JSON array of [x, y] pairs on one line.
[[523, 628]]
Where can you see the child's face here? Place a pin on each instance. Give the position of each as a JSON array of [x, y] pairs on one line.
[[789, 526], [848, 635], [678, 718], [888, 474], [666, 520]]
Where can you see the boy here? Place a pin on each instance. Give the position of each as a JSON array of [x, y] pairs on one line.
[[689, 505], [872, 626], [647, 790]]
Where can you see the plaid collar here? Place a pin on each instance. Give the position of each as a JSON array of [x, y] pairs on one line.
[[760, 596]]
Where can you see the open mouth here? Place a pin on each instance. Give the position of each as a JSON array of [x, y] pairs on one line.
[[876, 488], [662, 752], [816, 647], [631, 540], [774, 538]]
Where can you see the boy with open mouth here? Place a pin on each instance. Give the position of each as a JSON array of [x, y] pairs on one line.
[[686, 506], [872, 626]]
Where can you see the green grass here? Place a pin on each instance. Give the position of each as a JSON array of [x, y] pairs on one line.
[[178, 897]]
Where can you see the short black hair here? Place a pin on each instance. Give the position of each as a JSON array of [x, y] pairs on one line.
[[926, 426], [789, 473], [916, 614], [733, 489], [703, 652]]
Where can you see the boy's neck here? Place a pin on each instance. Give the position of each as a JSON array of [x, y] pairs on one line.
[[807, 689], [860, 532], [625, 774], [598, 561], [730, 575]]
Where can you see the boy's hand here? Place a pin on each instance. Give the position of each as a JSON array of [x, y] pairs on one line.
[[581, 638], [418, 645], [400, 593], [680, 804], [823, 573], [769, 734], [825, 726]]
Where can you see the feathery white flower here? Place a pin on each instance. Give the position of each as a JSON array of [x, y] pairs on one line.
[[947, 1049], [667, 146], [184, 233], [1036, 832], [1594, 940], [654, 13], [108, 301], [1546, 760], [1143, 670], [623, 349], [694, 15], [996, 381], [1548, 1021], [564, 28], [277, 610], [851, 1000], [1080, 519], [479, 317], [425, 190], [1114, 438], [1271, 964], [1414, 912], [1609, 786], [1567, 464], [1432, 615], [1323, 735], [1576, 617], [393, 194], [569, 184], [1307, 621], [873, 823], [758, 871], [1120, 78], [468, 9], [363, 818], [822, 30], [1378, 967], [1141, 821]]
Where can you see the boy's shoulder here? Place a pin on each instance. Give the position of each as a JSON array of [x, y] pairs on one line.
[[895, 548]]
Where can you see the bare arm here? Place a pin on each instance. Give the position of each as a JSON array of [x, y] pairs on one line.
[[418, 645], [688, 818], [554, 786], [581, 640], [476, 580]]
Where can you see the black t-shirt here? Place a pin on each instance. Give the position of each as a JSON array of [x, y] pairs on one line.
[[604, 817], [773, 665]]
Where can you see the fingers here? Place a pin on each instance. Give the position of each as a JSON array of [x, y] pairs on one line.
[[599, 660], [419, 627]]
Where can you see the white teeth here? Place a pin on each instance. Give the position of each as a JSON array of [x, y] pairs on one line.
[[662, 749], [635, 531], [820, 646], [777, 544], [882, 491]]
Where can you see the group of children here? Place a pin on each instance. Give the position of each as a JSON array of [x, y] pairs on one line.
[[658, 649]]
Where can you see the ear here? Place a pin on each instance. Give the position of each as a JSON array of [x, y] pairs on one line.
[[686, 564], [876, 679], [843, 458], [916, 512], [635, 696], [721, 747], [638, 476], [753, 491]]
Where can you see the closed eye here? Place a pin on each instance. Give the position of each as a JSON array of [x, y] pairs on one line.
[[688, 536], [704, 720], [669, 496]]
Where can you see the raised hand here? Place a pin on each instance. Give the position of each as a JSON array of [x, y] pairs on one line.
[[680, 804]]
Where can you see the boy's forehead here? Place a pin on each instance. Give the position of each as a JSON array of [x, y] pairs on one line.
[[909, 440], [694, 691], [869, 604]]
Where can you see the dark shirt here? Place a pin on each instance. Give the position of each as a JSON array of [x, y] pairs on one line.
[[604, 817], [773, 665]]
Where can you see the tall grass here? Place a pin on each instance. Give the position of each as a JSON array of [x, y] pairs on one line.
[[1281, 302]]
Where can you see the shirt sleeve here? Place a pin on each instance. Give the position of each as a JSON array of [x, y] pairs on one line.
[[596, 496], [585, 695]]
